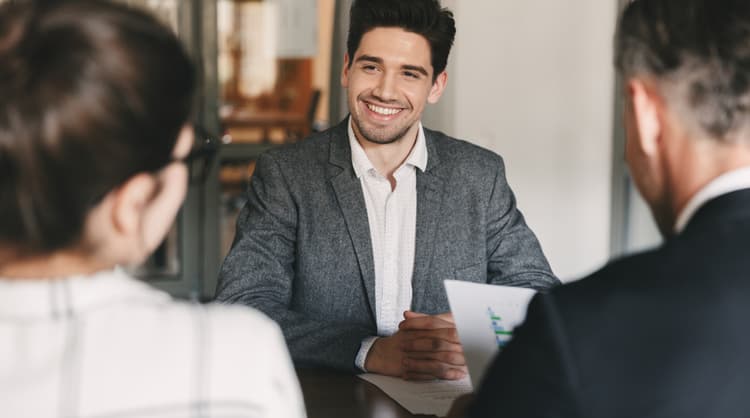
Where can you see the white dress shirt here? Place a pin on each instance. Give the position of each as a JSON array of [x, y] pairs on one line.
[[726, 183], [392, 216], [107, 345]]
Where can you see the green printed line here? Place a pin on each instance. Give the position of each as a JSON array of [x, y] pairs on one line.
[[503, 332], [495, 318]]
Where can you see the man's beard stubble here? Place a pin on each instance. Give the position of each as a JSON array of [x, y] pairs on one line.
[[373, 137]]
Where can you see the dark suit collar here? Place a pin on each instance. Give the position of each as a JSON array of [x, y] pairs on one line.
[[340, 153], [431, 187], [433, 155], [727, 207], [348, 191]]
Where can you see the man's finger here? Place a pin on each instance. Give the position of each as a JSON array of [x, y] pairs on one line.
[[412, 314], [448, 317], [453, 358], [447, 334], [433, 368], [425, 322], [430, 345]]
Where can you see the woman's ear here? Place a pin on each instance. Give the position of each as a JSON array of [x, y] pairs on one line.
[[129, 204], [142, 210]]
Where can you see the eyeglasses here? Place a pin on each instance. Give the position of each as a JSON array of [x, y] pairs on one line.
[[201, 157]]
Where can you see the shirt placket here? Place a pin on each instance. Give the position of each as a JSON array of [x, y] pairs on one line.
[[380, 189], [390, 258]]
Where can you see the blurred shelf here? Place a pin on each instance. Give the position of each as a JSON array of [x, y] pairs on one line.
[[237, 151]]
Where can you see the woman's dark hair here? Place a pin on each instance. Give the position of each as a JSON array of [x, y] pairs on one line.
[[702, 45], [93, 93], [423, 17]]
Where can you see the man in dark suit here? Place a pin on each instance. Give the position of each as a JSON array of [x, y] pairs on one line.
[[662, 333], [352, 227]]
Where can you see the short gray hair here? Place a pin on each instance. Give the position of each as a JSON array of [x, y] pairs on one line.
[[699, 50]]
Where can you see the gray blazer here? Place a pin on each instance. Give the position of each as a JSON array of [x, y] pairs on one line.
[[303, 255]]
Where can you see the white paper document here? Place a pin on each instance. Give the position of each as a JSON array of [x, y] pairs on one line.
[[485, 317], [433, 397]]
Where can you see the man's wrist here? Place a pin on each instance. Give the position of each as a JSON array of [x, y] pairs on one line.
[[364, 350]]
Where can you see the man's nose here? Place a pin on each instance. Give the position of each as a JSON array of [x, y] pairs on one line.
[[386, 88]]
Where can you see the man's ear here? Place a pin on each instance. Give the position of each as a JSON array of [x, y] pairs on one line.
[[438, 87], [130, 201], [345, 72], [648, 114]]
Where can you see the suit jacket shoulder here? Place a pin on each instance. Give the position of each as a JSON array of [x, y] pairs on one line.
[[461, 153], [660, 333], [312, 151]]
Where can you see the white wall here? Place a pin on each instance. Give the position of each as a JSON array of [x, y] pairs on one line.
[[533, 81]]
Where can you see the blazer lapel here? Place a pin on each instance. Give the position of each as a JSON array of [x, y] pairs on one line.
[[351, 201], [430, 189]]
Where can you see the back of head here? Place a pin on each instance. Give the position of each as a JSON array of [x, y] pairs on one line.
[[93, 93], [423, 17], [698, 51]]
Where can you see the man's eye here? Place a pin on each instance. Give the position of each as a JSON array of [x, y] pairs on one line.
[[409, 74]]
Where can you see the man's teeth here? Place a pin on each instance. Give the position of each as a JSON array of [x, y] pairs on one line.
[[383, 110]]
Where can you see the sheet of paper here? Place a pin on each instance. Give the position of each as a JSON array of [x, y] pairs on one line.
[[485, 317], [428, 398]]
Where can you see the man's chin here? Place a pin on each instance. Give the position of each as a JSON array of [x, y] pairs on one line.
[[383, 137], [381, 140]]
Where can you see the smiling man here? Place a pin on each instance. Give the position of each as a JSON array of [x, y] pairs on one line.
[[347, 236]]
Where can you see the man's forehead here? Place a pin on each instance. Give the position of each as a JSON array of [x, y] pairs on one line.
[[395, 45]]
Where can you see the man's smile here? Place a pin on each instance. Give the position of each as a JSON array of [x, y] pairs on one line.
[[385, 111], [380, 112]]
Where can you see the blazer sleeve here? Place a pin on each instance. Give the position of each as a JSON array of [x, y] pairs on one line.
[[515, 257], [534, 375], [259, 272]]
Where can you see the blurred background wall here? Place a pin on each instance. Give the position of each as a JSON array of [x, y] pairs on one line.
[[533, 81]]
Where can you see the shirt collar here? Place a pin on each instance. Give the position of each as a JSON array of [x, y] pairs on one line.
[[417, 158], [725, 183]]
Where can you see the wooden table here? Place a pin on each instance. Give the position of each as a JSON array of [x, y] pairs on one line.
[[333, 394]]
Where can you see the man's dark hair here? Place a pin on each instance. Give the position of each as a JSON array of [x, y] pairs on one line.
[[423, 17], [700, 48], [93, 92]]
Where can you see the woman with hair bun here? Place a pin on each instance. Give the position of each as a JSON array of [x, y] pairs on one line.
[[95, 106]]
